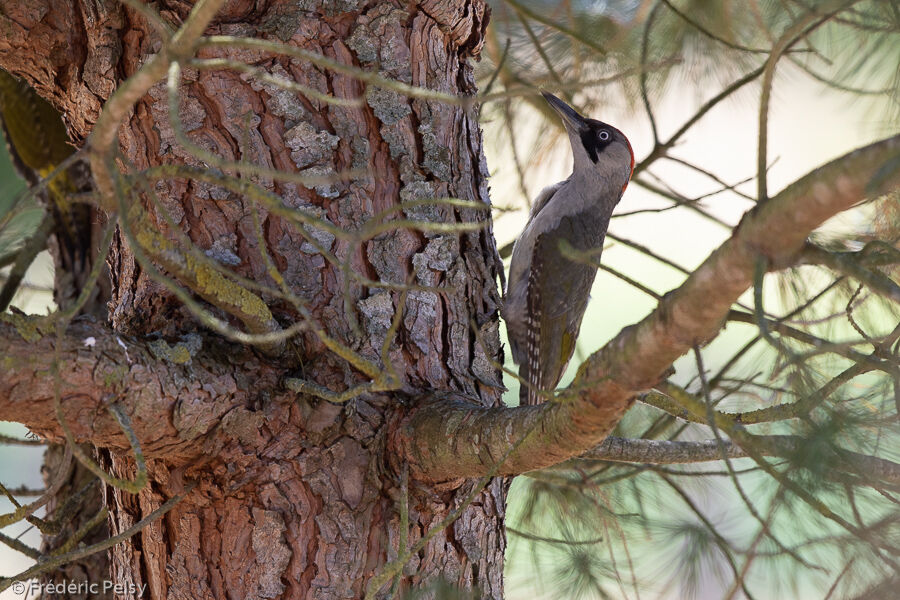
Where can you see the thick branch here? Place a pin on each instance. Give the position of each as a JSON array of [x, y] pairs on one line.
[[448, 439], [173, 396]]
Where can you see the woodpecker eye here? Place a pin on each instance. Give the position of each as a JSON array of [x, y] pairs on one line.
[[604, 136]]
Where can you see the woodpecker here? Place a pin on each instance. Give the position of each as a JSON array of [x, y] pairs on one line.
[[554, 260]]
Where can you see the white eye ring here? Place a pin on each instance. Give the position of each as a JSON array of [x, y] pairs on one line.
[[604, 136]]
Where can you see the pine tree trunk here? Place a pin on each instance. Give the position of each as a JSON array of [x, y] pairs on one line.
[[295, 497]]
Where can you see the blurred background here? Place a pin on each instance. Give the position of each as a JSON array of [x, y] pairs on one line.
[[665, 73]]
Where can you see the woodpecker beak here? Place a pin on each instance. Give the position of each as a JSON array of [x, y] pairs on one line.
[[570, 117]]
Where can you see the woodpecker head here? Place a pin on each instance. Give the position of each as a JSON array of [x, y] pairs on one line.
[[599, 149]]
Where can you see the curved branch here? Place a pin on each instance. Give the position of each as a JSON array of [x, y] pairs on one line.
[[449, 438]]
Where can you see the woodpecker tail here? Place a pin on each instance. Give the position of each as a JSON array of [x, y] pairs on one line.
[[528, 394], [529, 381], [530, 370]]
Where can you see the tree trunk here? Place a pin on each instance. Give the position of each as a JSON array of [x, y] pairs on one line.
[[295, 497]]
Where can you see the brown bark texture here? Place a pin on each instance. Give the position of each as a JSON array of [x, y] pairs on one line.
[[295, 497]]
